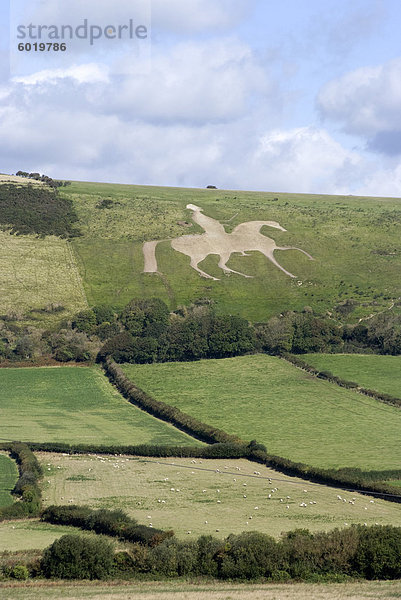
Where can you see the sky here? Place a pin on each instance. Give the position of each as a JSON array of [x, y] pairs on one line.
[[283, 96]]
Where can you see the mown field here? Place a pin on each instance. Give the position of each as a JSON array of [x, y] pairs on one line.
[[206, 497], [188, 590], [31, 534], [355, 243], [380, 373], [8, 479], [36, 273], [294, 414], [75, 404]]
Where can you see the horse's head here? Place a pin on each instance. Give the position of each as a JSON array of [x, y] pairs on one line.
[[275, 225], [194, 207]]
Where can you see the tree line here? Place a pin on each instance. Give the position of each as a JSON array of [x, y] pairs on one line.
[[54, 183], [146, 331], [358, 551]]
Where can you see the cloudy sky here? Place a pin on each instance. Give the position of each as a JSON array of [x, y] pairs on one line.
[[288, 95]]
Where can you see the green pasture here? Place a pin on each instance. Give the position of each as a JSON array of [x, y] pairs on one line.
[[31, 534], [206, 497], [36, 273], [8, 478], [75, 405], [371, 371], [354, 241], [294, 414]]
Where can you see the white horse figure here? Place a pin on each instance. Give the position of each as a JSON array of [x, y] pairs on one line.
[[246, 237]]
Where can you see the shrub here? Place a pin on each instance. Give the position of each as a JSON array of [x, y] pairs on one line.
[[20, 572], [378, 552], [37, 210], [249, 555], [207, 551], [76, 557]]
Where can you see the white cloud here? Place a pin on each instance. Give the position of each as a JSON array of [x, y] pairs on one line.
[[86, 73], [195, 82], [367, 102]]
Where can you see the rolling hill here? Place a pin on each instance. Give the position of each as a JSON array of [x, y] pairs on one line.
[[354, 242]]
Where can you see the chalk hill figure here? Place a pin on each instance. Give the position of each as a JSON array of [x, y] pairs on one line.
[[246, 237]]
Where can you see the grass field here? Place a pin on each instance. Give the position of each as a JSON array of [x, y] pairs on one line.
[[36, 273], [8, 478], [216, 497], [354, 242], [31, 534], [380, 373], [294, 414], [75, 404], [188, 590]]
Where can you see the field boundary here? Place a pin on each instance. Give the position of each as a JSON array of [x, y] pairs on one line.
[[27, 487], [347, 479], [350, 385]]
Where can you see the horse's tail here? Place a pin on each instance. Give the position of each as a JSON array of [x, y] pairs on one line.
[[149, 255]]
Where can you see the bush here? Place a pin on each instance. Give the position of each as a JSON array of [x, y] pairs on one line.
[[378, 554], [108, 522], [76, 557], [20, 572], [37, 210], [249, 555]]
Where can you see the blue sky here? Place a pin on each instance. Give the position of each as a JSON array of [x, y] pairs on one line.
[[289, 96]]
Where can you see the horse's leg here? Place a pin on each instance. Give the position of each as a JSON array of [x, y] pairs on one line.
[[194, 265], [269, 255], [294, 248], [149, 255], [222, 264]]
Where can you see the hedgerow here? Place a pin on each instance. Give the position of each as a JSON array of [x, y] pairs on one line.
[[164, 411], [328, 376], [354, 552], [27, 486], [113, 523]]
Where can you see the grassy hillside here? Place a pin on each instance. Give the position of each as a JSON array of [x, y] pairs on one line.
[[215, 497], [36, 273], [75, 404], [354, 241], [294, 414], [380, 373], [8, 478]]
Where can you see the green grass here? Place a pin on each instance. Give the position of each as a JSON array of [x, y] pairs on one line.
[[294, 414], [380, 373], [75, 405], [395, 482], [143, 488], [354, 242], [32, 534], [8, 478], [36, 273]]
